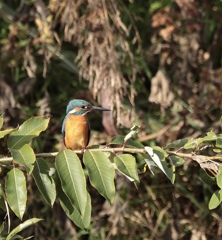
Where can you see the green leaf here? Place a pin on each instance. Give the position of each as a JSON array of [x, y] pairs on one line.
[[206, 177], [158, 155], [2, 227], [27, 131], [178, 143], [119, 140], [22, 226], [2, 200], [101, 173], [6, 132], [24, 156], [44, 182], [176, 161], [211, 136], [192, 143], [126, 164], [81, 221], [219, 142], [219, 179], [72, 178], [1, 121], [16, 191], [216, 199]]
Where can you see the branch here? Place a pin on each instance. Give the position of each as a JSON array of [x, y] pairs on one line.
[[194, 156], [191, 155], [54, 154]]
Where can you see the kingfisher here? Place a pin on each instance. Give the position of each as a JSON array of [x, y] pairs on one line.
[[76, 127]]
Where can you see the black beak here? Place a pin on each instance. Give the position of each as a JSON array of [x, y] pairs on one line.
[[94, 108]]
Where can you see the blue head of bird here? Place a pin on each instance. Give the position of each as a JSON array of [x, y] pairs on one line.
[[75, 128], [82, 107]]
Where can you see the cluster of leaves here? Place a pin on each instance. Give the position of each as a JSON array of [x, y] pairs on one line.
[[65, 178]]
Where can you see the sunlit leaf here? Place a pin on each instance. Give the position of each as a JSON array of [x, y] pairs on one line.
[[27, 131], [101, 173], [24, 156], [216, 199], [22, 226], [192, 143], [44, 182], [16, 191], [211, 136], [126, 164], [158, 155], [72, 178], [6, 132], [132, 134]]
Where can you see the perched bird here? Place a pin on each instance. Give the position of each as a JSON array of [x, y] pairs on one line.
[[75, 127]]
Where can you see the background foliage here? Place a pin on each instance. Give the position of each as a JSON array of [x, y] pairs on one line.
[[154, 63]]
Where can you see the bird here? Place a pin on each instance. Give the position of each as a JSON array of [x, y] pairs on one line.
[[76, 127]]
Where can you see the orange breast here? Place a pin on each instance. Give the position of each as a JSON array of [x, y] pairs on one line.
[[76, 132]]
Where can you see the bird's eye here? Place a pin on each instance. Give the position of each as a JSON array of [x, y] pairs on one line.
[[85, 107]]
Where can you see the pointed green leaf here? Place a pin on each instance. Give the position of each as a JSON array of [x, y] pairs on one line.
[[22, 226], [1, 120], [192, 143], [216, 199], [27, 131], [64, 200], [2, 228], [72, 178], [178, 143], [219, 142], [209, 180], [119, 140], [176, 161], [211, 136], [6, 132], [81, 221], [44, 182], [16, 191], [2, 199], [24, 156], [219, 179], [101, 173], [158, 155], [126, 164]]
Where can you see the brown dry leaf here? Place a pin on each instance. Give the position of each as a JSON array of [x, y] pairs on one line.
[[162, 18], [166, 33], [207, 164], [160, 90], [100, 35]]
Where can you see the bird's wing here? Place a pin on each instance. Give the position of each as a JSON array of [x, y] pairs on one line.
[[63, 127], [88, 133]]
